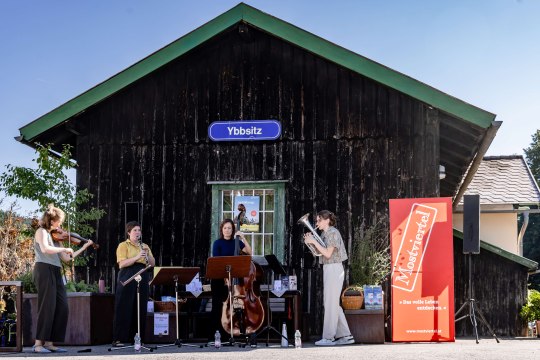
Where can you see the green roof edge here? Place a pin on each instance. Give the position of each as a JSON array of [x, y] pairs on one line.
[[528, 263], [278, 28]]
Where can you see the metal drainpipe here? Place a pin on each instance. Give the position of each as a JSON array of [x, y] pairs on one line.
[[522, 232]]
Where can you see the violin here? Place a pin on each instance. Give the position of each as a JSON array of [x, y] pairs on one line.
[[60, 235]]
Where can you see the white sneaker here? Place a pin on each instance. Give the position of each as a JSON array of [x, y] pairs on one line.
[[345, 340], [325, 342]]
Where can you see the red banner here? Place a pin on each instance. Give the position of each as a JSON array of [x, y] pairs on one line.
[[423, 269]]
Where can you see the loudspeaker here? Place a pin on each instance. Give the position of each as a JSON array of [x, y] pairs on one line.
[[471, 224], [132, 212]]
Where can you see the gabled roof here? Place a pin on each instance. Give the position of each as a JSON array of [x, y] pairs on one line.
[[465, 131], [504, 180], [528, 263], [280, 29]]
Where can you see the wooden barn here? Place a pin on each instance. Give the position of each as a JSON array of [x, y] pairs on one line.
[[353, 134]]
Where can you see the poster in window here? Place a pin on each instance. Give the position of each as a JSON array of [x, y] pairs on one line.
[[247, 213]]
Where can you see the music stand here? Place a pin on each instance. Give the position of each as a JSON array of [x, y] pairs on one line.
[[175, 275], [221, 267], [137, 277], [271, 262]]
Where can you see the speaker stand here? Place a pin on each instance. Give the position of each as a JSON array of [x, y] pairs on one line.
[[473, 308]]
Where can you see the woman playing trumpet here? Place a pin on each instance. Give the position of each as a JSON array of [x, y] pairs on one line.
[[335, 329], [132, 256]]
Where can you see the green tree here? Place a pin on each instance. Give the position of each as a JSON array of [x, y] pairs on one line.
[[49, 184], [532, 155], [531, 240]]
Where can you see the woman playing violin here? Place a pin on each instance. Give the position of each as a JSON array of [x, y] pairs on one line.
[[52, 298], [224, 246], [132, 256]]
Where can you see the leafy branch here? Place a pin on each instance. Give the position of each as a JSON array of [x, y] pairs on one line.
[[49, 184]]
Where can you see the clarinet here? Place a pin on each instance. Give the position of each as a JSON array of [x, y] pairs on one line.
[[147, 263], [138, 274]]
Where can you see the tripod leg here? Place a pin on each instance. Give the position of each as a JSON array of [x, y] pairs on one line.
[[473, 320], [460, 310], [483, 319]]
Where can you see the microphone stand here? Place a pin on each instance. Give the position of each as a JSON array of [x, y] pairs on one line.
[[137, 277]]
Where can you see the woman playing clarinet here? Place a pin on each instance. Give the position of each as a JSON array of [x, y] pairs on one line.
[[132, 256]]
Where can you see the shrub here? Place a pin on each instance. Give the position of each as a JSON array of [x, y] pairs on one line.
[[369, 261], [531, 310]]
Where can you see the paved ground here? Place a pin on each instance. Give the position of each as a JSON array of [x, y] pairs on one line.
[[508, 349]]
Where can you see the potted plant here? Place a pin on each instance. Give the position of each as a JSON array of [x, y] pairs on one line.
[[369, 260], [369, 264], [531, 310]]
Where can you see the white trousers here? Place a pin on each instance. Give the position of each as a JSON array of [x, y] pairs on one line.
[[335, 323]]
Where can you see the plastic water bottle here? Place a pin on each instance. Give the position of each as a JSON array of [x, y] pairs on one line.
[[297, 340], [284, 338], [217, 339], [137, 341]]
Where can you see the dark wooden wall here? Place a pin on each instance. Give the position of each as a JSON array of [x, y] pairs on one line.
[[348, 145], [499, 287]]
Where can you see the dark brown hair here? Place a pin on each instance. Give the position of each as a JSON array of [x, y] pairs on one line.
[[130, 225], [325, 214], [221, 236]]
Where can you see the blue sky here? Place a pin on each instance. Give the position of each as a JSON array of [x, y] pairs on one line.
[[485, 52]]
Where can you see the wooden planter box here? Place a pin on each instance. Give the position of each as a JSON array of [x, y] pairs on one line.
[[90, 318], [367, 326]]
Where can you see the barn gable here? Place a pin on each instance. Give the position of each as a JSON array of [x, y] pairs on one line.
[[465, 129]]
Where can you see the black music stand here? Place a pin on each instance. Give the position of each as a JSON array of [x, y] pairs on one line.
[[137, 277], [175, 275], [221, 267], [270, 262]]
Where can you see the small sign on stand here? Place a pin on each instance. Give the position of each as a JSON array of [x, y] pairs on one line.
[[161, 324]]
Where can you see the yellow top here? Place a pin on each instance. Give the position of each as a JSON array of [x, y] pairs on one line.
[[126, 250]]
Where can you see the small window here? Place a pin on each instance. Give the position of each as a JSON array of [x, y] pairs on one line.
[[267, 214]]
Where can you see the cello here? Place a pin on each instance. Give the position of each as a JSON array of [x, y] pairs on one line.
[[247, 308]]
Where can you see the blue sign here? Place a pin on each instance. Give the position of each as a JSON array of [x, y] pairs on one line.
[[244, 130]]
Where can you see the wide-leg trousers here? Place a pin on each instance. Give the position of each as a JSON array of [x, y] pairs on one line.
[[335, 324], [125, 307], [52, 303]]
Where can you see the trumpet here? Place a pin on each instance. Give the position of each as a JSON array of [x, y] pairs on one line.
[[304, 220]]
